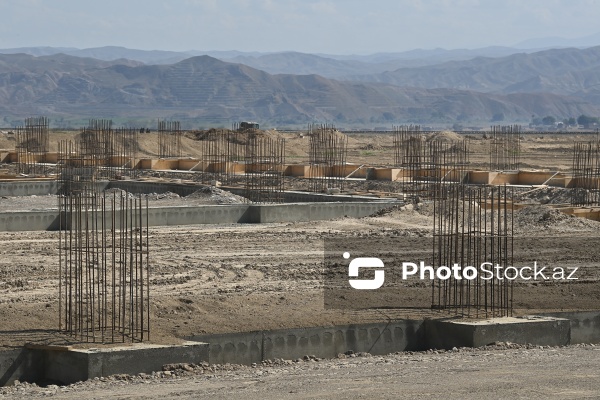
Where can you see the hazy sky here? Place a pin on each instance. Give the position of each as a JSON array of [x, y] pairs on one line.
[[325, 26]]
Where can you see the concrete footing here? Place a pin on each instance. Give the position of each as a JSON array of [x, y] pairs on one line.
[[48, 364], [585, 325], [538, 330], [79, 365]]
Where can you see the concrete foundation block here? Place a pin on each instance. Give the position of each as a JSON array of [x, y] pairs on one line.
[[82, 364], [542, 331]]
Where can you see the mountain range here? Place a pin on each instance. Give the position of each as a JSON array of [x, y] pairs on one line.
[[422, 86]]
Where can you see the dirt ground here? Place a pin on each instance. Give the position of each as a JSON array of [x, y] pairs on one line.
[[233, 277], [493, 372], [225, 278]]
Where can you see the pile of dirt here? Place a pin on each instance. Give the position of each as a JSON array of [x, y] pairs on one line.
[[215, 195], [165, 195], [126, 194], [207, 134], [545, 195], [541, 218], [539, 215], [445, 136], [239, 137], [371, 146]]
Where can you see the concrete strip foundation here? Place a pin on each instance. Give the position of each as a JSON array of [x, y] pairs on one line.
[[254, 347], [28, 188], [585, 325], [29, 221], [210, 214], [47, 365], [322, 207]]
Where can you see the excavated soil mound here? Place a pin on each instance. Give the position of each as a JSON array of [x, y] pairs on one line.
[[536, 218], [445, 136], [215, 195], [546, 195]]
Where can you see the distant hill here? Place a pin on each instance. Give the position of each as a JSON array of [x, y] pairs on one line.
[[328, 65], [341, 67], [206, 88], [568, 71], [554, 42]]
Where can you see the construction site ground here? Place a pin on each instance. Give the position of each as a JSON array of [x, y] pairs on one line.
[[226, 278], [233, 278]]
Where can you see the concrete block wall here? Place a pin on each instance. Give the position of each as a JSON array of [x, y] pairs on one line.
[[29, 221], [29, 188], [316, 211], [225, 214]]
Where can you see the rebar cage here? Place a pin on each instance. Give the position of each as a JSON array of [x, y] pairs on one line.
[[113, 152], [327, 157], [223, 152], [472, 226], [585, 185], [32, 146], [505, 147], [169, 139], [264, 164], [427, 164], [104, 270]]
